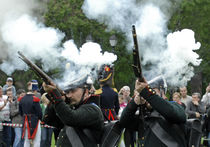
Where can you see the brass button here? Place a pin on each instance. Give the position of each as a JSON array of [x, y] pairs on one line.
[[150, 90], [142, 145], [142, 138]]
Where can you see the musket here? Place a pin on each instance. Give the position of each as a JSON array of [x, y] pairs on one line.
[[138, 73], [38, 71], [136, 57]]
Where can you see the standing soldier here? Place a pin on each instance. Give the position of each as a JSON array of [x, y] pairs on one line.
[[81, 120], [31, 111], [109, 101]]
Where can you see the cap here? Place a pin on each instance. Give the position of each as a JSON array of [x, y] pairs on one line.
[[84, 82], [9, 79], [34, 81], [105, 74]]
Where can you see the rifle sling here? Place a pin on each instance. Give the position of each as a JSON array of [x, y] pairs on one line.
[[73, 137], [162, 135]]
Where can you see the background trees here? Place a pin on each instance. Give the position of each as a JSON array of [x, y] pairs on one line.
[[68, 17]]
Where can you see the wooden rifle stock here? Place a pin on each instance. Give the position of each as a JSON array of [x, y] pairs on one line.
[[136, 57], [38, 71]]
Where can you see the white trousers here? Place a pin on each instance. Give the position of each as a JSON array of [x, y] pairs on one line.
[[36, 140]]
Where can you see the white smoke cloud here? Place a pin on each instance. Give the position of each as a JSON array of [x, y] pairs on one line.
[[35, 40], [179, 56], [150, 18], [21, 31], [88, 58]]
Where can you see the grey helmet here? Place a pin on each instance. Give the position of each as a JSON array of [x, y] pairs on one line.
[[83, 82], [158, 82]]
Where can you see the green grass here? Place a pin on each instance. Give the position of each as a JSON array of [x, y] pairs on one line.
[[53, 141]]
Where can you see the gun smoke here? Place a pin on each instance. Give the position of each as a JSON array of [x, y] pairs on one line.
[[163, 52], [22, 30]]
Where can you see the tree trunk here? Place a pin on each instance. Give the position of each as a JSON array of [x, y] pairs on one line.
[[196, 83]]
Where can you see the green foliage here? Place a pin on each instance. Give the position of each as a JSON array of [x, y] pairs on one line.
[[68, 17], [194, 14]]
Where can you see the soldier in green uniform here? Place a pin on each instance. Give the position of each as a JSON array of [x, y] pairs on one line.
[[81, 120], [163, 126]]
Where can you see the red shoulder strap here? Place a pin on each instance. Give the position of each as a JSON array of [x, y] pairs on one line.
[[36, 99], [20, 98]]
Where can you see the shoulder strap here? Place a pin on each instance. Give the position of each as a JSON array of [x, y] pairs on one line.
[[73, 137], [162, 135]]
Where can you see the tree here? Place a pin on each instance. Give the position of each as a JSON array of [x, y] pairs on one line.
[[68, 17], [194, 14]]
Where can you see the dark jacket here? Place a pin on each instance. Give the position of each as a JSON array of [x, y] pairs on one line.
[[167, 115], [14, 113], [109, 102], [191, 109], [85, 116], [31, 111]]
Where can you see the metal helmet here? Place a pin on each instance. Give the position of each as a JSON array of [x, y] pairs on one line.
[[84, 82], [158, 82]]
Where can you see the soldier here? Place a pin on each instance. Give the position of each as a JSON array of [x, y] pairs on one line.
[[109, 101], [81, 119], [31, 111], [162, 126]]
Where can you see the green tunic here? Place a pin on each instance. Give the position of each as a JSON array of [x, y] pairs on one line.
[[85, 116], [170, 114]]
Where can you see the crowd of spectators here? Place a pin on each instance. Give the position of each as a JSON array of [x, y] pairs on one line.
[[196, 107]]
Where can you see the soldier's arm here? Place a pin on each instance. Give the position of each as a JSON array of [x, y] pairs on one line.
[[85, 116], [51, 118], [37, 107], [170, 111], [128, 118]]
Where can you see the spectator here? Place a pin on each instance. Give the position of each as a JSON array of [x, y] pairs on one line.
[[17, 119], [206, 97], [125, 91], [122, 104], [3, 103], [31, 111], [9, 83], [46, 133], [196, 108], [186, 99], [7, 131], [177, 98]]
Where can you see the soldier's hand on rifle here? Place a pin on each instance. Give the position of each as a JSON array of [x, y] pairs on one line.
[[139, 86], [48, 88]]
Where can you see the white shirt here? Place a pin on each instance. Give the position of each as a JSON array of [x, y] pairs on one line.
[[206, 99], [186, 100], [4, 113]]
